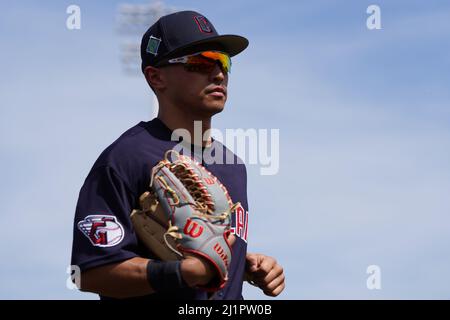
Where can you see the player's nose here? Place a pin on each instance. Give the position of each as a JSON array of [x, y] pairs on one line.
[[218, 74]]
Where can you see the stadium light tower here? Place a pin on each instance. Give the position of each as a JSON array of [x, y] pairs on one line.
[[131, 22]]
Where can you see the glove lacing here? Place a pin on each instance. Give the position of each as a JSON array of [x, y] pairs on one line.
[[204, 206]]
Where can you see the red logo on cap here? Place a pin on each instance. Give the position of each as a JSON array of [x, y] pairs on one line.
[[203, 24]]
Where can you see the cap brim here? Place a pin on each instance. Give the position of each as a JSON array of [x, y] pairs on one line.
[[231, 44]]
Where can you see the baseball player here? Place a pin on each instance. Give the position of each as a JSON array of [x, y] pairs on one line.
[[186, 63]]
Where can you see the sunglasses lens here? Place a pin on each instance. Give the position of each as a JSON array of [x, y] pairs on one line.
[[199, 63], [200, 67], [205, 61], [223, 58]]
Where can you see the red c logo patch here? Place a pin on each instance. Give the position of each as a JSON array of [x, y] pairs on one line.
[[203, 24]]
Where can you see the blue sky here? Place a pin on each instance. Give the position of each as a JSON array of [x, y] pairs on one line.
[[364, 138]]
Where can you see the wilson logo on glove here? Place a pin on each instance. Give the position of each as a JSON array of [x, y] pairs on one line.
[[221, 253], [195, 230], [209, 181]]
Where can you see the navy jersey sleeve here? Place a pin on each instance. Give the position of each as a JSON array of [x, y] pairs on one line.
[[103, 231]]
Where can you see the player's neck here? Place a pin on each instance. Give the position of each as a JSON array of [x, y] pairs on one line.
[[193, 124]]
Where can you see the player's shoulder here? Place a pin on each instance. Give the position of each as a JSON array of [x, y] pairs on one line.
[[124, 147], [134, 151]]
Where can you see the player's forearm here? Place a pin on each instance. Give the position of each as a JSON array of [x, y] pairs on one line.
[[130, 279], [118, 280]]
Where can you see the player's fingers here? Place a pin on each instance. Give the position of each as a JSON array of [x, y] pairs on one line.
[[231, 239], [276, 291], [273, 274], [275, 283], [252, 262], [265, 266]]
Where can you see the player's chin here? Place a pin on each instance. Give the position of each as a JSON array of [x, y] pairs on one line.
[[214, 105]]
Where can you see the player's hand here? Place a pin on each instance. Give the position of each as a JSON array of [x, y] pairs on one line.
[[266, 273], [197, 271]]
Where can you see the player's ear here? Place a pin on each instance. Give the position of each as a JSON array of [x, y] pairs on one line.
[[154, 77]]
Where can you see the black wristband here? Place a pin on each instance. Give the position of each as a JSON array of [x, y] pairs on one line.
[[165, 276]]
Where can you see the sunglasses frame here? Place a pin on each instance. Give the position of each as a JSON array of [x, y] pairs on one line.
[[184, 60]]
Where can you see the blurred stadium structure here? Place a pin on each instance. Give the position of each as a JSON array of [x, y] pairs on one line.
[[131, 22]]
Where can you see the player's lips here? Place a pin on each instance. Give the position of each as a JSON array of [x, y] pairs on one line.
[[217, 91]]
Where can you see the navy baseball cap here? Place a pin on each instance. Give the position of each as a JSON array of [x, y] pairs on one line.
[[183, 33]]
